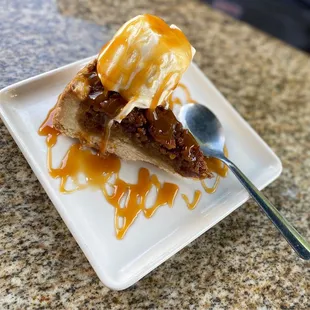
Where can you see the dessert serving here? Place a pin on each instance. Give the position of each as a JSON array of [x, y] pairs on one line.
[[89, 112], [120, 106]]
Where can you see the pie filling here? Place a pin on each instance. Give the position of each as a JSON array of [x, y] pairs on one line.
[[157, 131]]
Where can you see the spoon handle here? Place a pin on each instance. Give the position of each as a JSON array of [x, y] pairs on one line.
[[297, 242]]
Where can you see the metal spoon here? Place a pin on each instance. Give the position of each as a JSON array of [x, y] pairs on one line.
[[209, 133]]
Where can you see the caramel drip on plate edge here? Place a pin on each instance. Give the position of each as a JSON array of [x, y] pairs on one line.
[[128, 199]]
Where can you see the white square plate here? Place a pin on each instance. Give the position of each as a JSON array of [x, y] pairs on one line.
[[149, 242]]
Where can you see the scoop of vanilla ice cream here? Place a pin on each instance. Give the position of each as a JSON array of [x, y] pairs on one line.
[[144, 62]]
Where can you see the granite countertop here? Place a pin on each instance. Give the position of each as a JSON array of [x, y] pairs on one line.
[[241, 263]]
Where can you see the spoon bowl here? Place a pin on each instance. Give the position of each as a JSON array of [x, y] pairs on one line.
[[205, 127]]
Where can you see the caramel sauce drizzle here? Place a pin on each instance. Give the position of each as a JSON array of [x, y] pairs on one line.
[[98, 172], [221, 170], [135, 196], [192, 205], [47, 129], [99, 98], [173, 100], [129, 200]]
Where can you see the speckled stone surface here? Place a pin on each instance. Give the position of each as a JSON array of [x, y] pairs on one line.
[[241, 263]]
